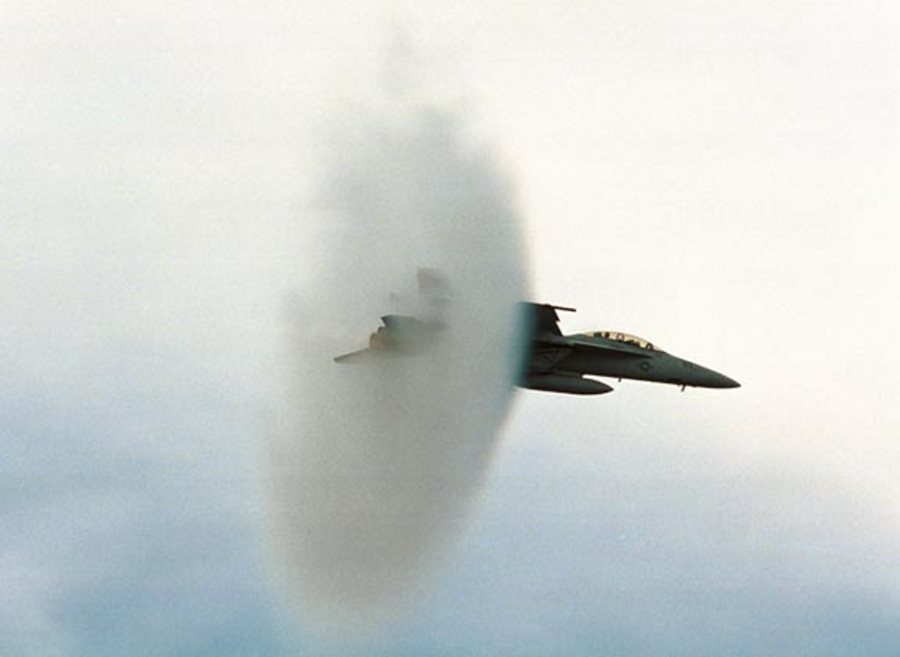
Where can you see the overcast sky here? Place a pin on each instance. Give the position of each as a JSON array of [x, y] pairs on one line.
[[720, 178]]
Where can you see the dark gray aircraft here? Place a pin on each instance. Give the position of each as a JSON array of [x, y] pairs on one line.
[[555, 362], [558, 363]]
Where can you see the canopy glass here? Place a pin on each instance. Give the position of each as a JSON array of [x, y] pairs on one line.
[[618, 336]]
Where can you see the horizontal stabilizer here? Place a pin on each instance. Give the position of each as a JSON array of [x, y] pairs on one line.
[[355, 356]]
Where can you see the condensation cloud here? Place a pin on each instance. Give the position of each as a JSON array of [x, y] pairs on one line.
[[376, 464]]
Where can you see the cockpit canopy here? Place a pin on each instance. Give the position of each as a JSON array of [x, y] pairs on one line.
[[618, 336]]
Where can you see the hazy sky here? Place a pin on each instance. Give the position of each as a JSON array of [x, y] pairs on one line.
[[717, 177]]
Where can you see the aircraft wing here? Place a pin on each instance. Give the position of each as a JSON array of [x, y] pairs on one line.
[[401, 334], [404, 323]]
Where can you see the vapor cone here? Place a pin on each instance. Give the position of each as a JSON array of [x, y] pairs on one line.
[[376, 462]]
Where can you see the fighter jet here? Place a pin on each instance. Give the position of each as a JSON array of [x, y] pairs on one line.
[[558, 363], [554, 362]]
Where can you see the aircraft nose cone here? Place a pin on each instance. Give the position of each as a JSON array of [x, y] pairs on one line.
[[715, 380], [727, 382], [703, 377]]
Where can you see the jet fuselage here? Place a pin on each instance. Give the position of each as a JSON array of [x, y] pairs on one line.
[[597, 356], [558, 363]]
